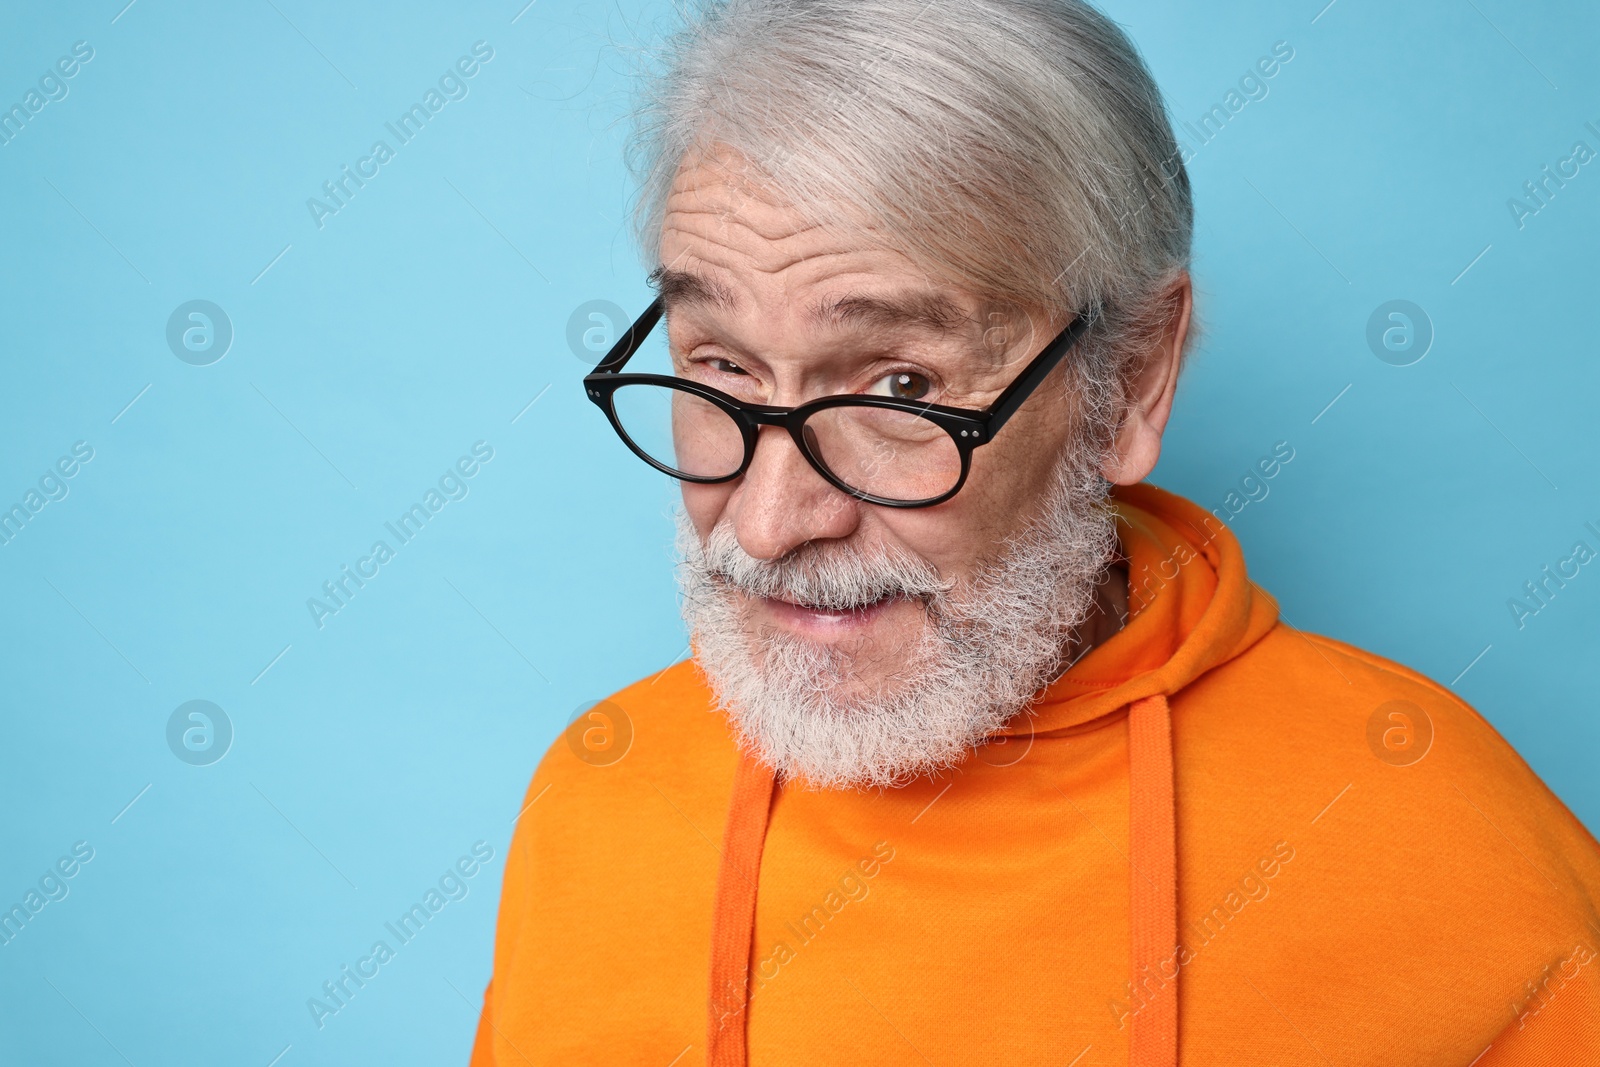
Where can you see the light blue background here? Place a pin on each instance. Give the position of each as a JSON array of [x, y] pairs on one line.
[[428, 313]]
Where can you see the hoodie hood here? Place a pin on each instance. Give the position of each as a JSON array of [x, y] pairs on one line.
[[1192, 607]]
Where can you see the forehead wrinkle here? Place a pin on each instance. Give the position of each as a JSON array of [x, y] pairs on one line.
[[709, 263], [741, 205]]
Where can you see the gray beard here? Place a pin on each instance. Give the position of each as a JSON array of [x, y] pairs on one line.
[[987, 648]]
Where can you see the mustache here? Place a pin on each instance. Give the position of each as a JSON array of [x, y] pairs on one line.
[[833, 577]]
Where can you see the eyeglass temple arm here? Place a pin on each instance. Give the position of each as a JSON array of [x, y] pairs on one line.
[[630, 341], [1007, 403]]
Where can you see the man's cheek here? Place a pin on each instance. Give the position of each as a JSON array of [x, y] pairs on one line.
[[705, 504]]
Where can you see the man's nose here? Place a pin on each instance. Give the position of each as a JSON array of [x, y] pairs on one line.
[[782, 502]]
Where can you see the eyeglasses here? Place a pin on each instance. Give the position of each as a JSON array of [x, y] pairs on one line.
[[891, 451]]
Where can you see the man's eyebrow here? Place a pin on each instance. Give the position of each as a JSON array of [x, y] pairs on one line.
[[678, 287], [927, 310]]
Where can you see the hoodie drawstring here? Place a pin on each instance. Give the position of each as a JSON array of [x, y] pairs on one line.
[[1153, 856], [733, 923]]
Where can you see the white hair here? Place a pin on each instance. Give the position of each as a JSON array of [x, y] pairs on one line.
[[1018, 149]]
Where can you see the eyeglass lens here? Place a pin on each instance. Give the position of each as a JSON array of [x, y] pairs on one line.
[[882, 452]]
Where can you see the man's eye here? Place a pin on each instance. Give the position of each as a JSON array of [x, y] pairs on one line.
[[903, 385], [724, 366]]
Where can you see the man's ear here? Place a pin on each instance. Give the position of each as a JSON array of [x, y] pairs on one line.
[[1138, 442]]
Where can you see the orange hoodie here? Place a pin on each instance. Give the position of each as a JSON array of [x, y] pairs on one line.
[[1217, 840]]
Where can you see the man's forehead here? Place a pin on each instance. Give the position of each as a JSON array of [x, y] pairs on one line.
[[722, 216]]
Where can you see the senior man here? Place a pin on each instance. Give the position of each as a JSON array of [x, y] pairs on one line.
[[987, 752]]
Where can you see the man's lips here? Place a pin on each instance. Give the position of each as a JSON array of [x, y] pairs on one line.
[[824, 621]]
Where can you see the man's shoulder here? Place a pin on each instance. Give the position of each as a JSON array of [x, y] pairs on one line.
[[657, 750], [1313, 700], [1300, 708], [1419, 838], [672, 720], [619, 832]]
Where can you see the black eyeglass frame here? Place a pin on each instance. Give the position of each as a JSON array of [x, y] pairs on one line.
[[967, 427]]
